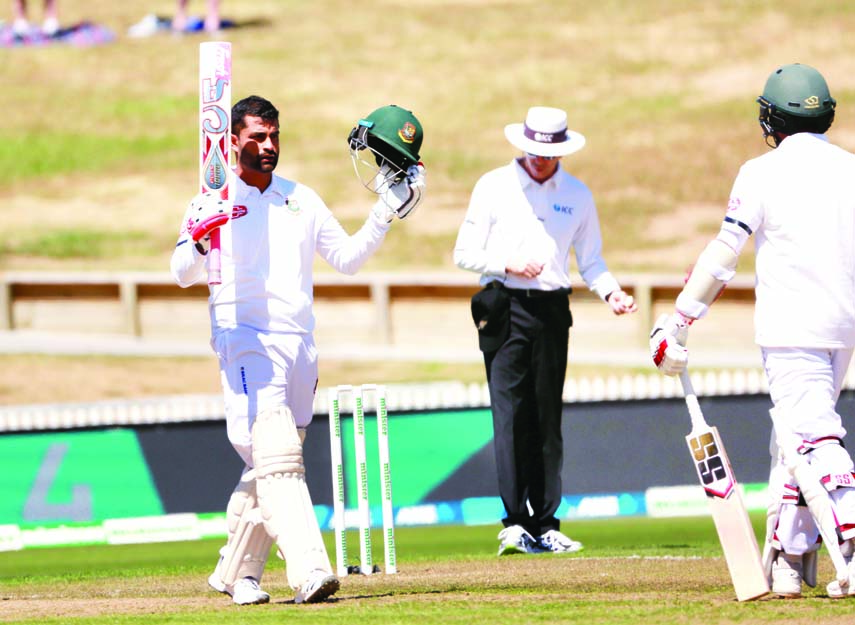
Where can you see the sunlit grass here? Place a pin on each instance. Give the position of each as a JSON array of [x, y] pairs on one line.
[[663, 91], [81, 244]]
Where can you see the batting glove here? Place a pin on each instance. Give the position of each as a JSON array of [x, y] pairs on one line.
[[403, 197], [207, 213], [668, 343]]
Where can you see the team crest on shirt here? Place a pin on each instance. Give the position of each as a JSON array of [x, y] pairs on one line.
[[238, 211], [292, 206], [733, 203], [566, 210]]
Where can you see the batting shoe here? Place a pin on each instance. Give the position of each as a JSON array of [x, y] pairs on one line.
[[556, 542], [515, 539], [245, 591], [835, 591], [787, 576], [318, 587]]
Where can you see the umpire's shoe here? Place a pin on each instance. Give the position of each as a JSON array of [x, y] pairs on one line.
[[515, 539], [556, 542]]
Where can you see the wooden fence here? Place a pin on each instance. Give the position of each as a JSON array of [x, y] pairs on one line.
[[128, 291]]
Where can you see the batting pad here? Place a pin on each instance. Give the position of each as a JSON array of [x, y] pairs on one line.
[[818, 500], [283, 497], [248, 546]]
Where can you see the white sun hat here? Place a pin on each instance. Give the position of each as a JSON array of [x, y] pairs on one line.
[[544, 133]]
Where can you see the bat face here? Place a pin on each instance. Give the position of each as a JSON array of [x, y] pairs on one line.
[[215, 93], [215, 69], [215, 172], [735, 532], [711, 463], [729, 513]]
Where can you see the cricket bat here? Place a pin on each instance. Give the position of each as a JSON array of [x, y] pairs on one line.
[[215, 124], [730, 516]]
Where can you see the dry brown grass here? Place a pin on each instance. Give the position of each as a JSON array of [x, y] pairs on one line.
[[664, 92]]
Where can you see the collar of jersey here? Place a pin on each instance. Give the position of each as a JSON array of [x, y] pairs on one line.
[[527, 181], [792, 140], [277, 185]]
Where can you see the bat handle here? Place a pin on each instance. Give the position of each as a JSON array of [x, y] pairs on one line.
[[214, 276], [691, 400], [686, 382]]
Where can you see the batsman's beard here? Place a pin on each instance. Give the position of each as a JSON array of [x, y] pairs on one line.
[[261, 163], [266, 162]]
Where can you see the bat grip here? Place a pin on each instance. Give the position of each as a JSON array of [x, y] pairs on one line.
[[691, 399], [686, 382], [214, 276]]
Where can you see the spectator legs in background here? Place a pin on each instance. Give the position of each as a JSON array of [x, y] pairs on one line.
[[212, 17], [179, 22], [21, 25]]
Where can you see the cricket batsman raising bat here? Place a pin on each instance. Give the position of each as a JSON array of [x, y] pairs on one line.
[[262, 320], [798, 200]]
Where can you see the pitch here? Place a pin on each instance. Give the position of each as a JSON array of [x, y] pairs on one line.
[[634, 570]]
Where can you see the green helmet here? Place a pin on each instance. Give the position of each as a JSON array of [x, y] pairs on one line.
[[799, 90], [795, 99], [392, 133]]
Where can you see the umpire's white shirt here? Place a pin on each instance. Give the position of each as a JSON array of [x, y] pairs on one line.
[[512, 215], [267, 253], [799, 200]]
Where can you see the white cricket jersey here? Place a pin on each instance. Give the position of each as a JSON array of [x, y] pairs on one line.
[[267, 252], [799, 201], [512, 215]]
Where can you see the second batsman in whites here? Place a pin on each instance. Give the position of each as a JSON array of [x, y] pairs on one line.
[[799, 202], [262, 324]]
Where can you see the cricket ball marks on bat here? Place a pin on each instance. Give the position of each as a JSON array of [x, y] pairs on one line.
[[215, 75]]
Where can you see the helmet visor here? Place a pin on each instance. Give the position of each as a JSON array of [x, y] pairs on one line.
[[375, 172]]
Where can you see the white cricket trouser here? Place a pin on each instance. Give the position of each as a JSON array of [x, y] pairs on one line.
[[805, 385], [260, 371]]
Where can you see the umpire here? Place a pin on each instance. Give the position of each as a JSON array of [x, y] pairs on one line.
[[522, 221]]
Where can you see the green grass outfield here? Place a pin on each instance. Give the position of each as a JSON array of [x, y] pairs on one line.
[[634, 570], [99, 151]]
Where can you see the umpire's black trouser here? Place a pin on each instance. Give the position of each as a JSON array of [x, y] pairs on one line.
[[526, 378]]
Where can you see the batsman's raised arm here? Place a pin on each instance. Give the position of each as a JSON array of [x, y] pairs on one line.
[[384, 148], [262, 324]]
